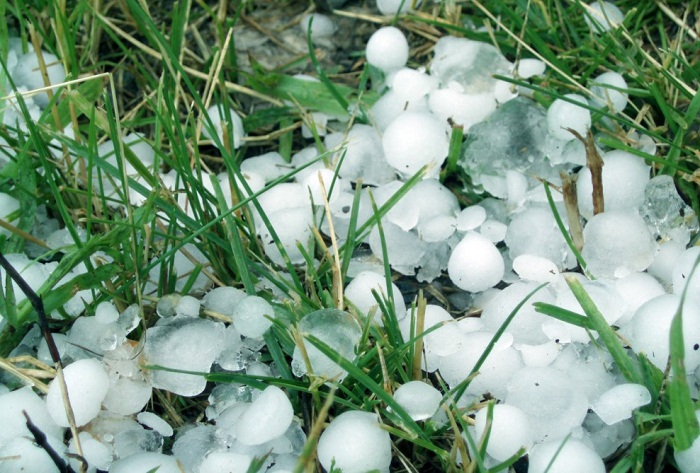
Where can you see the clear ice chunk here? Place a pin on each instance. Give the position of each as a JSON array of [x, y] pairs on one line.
[[337, 329], [665, 212]]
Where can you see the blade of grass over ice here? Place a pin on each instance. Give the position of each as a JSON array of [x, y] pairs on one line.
[[607, 335], [562, 228], [395, 411], [457, 391], [683, 418], [564, 315]]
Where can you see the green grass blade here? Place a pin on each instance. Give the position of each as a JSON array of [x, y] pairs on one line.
[[564, 315], [607, 335], [562, 228], [683, 419]]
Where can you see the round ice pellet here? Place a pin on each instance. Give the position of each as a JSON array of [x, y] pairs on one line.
[[359, 293], [617, 404], [475, 264], [686, 275], [535, 268], [617, 243], [219, 118], [651, 328], [510, 431], [87, 384], [322, 26], [146, 461], [563, 114], [471, 218], [606, 91], [251, 317], [573, 456], [624, 178], [355, 443], [387, 49], [602, 16], [418, 399], [267, 418], [413, 140], [689, 460], [8, 205]]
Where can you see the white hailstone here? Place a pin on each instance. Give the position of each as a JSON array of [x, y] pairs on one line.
[[106, 313], [27, 74], [8, 206], [554, 404], [463, 109], [539, 356], [617, 243], [535, 268], [267, 418], [87, 384], [305, 162], [392, 7], [127, 396], [387, 49], [530, 67], [218, 117], [155, 422], [475, 263], [602, 16], [359, 293], [564, 114], [510, 431], [413, 140], [526, 326], [22, 454], [617, 404], [651, 328], [269, 166], [686, 275], [188, 306], [14, 424], [362, 156], [688, 460], [187, 343], [494, 230], [665, 260], [424, 201], [293, 227], [418, 399], [624, 178], [517, 185], [565, 456], [608, 91], [354, 442], [283, 196], [97, 454], [251, 316], [636, 289], [223, 299], [221, 461], [333, 185], [146, 461], [322, 26], [411, 85], [471, 218], [500, 366], [34, 274], [437, 229], [389, 106], [443, 341], [337, 329]]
